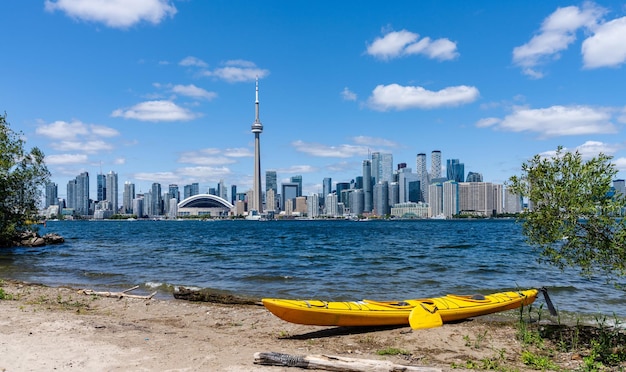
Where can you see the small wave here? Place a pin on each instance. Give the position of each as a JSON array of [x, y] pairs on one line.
[[456, 246]]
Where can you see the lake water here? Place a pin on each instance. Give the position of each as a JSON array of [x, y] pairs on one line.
[[330, 260]]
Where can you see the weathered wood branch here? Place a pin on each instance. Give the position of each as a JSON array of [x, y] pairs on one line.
[[335, 363], [118, 294]]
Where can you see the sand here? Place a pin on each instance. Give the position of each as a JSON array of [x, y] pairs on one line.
[[63, 329]]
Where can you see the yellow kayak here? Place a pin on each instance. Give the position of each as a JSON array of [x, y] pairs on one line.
[[383, 313]]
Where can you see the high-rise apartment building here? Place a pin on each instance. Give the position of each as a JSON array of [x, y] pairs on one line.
[[422, 176], [127, 196], [174, 192], [450, 199], [191, 190], [512, 202], [233, 194], [435, 164], [313, 206], [409, 186], [112, 191], [78, 194], [156, 200], [52, 194], [482, 198], [435, 199], [339, 188], [332, 205], [368, 196]]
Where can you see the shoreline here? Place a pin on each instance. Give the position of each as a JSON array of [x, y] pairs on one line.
[[46, 328]]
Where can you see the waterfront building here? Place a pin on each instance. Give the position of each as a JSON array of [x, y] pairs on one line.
[[101, 188], [52, 194], [257, 129], [204, 205], [480, 198], [221, 190], [474, 177], [450, 198], [381, 198], [368, 197], [357, 202], [138, 206], [435, 199], [301, 206], [513, 202], [172, 210], [312, 206], [289, 191], [394, 194], [270, 200], [410, 210], [127, 197], [435, 164], [112, 191], [422, 176], [240, 207], [332, 205], [455, 170]]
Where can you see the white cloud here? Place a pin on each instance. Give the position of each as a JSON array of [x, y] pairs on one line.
[[607, 47], [90, 147], [62, 129], [557, 32], [62, 159], [237, 71], [204, 173], [394, 96], [114, 13], [238, 152], [620, 164], [373, 141], [488, 122], [341, 151], [193, 61], [556, 121], [102, 131], [193, 92], [590, 149], [156, 111], [348, 95], [119, 161], [401, 43]]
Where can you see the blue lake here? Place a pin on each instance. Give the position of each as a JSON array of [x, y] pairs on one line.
[[330, 260]]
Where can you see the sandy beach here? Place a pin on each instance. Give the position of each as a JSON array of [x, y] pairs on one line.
[[63, 329]]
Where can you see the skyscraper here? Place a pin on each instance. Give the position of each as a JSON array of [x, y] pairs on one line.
[[173, 191], [298, 179], [435, 164], [112, 192], [382, 167], [271, 181], [422, 175], [101, 191], [257, 128], [128, 196], [368, 197], [455, 170], [52, 192], [327, 188], [81, 194]]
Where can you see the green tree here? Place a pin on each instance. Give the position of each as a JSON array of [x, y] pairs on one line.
[[573, 219], [22, 175]]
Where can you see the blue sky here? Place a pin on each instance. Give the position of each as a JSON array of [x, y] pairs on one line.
[[163, 90]]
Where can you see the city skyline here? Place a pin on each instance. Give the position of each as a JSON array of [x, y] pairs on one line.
[[160, 92]]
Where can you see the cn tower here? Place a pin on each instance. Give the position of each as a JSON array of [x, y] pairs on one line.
[[257, 128]]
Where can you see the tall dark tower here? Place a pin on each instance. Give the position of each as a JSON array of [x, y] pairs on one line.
[[257, 128]]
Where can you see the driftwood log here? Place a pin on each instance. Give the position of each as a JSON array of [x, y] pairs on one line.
[[118, 294], [207, 295], [335, 363]]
